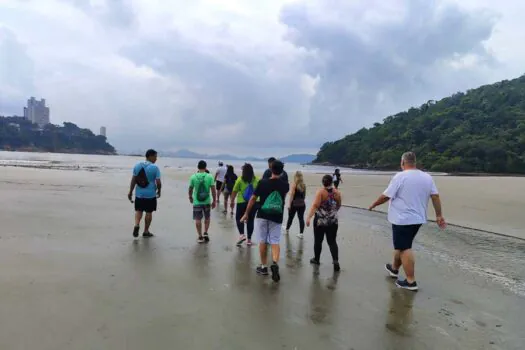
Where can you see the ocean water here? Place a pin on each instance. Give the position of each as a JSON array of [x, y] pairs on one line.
[[102, 163]]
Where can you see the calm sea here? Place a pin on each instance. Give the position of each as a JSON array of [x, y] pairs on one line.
[[124, 163]]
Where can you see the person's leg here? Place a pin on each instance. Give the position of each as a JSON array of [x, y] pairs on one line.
[[148, 219], [239, 212], [262, 232], [207, 222], [318, 242], [197, 216], [407, 260], [300, 216], [331, 235], [291, 215], [275, 238], [396, 264], [138, 217], [251, 222]]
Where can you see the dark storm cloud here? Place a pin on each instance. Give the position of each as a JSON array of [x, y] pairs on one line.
[[403, 64]]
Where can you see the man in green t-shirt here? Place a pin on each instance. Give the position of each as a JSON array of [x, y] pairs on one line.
[[199, 194]]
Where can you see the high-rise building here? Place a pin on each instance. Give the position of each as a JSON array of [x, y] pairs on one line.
[[103, 131], [37, 112]]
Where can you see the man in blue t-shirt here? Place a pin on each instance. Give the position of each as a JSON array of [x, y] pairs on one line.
[[146, 183]]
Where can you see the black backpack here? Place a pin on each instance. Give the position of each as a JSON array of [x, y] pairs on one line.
[[142, 178]]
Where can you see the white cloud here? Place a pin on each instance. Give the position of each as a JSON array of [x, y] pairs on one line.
[[246, 75]]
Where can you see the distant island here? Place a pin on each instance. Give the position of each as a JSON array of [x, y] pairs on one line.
[[481, 131], [184, 153], [20, 134]]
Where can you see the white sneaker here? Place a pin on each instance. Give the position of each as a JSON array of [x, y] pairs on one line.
[[300, 235]]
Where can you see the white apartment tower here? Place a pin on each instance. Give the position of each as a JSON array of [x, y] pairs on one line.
[[103, 131], [37, 112]]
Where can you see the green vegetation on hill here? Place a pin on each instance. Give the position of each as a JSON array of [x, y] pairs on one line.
[[482, 130], [19, 134]]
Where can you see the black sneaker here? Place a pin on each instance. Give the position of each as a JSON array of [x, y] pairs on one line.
[[136, 231], [148, 235], [314, 261], [275, 273], [200, 240], [406, 285], [206, 237], [393, 273], [262, 270], [337, 267]]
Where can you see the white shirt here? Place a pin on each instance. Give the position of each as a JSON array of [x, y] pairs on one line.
[[221, 173], [409, 192]]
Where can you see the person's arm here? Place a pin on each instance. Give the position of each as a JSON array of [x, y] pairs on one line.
[[236, 189], [380, 201], [436, 203], [190, 190], [315, 205], [249, 208], [292, 194], [214, 193], [158, 183], [390, 192], [132, 185], [338, 199]]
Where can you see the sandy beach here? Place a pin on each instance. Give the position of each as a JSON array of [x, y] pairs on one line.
[[73, 278]]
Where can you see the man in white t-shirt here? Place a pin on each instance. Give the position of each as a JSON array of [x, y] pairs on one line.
[[408, 192], [219, 180]]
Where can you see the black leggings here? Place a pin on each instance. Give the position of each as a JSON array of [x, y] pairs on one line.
[[300, 214], [331, 235], [241, 208]]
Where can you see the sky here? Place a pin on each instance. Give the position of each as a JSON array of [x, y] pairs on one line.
[[248, 77]]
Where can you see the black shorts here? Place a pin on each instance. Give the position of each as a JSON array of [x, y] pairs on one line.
[[201, 211], [403, 236], [148, 205], [218, 185]]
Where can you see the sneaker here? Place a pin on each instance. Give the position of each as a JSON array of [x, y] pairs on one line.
[[200, 240], [275, 273], [393, 273], [262, 270], [206, 237], [136, 231], [406, 285], [300, 236], [337, 267], [313, 261], [241, 240], [249, 243], [148, 235]]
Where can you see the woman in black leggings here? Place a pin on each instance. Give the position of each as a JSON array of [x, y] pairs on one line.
[[243, 191], [297, 203], [325, 207]]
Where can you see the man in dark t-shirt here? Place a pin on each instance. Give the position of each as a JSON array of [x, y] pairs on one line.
[[268, 172], [272, 193]]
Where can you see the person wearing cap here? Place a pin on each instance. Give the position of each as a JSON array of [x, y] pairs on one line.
[[147, 185], [220, 175]]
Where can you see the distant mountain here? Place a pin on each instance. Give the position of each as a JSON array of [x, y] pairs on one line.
[[298, 158], [184, 153]]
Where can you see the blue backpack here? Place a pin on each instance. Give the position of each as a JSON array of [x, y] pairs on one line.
[[248, 193]]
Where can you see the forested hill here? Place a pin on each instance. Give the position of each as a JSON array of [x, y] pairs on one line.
[[482, 130], [19, 134]]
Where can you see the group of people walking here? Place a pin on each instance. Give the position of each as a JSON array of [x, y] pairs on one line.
[[259, 206]]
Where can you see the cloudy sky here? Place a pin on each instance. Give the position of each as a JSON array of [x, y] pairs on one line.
[[246, 76]]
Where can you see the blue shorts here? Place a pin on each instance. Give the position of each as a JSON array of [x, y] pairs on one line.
[[403, 236], [268, 231]]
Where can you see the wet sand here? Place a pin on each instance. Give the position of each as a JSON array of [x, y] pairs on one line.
[[72, 277]]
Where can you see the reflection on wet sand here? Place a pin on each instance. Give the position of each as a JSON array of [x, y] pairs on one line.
[[399, 317], [322, 298]]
